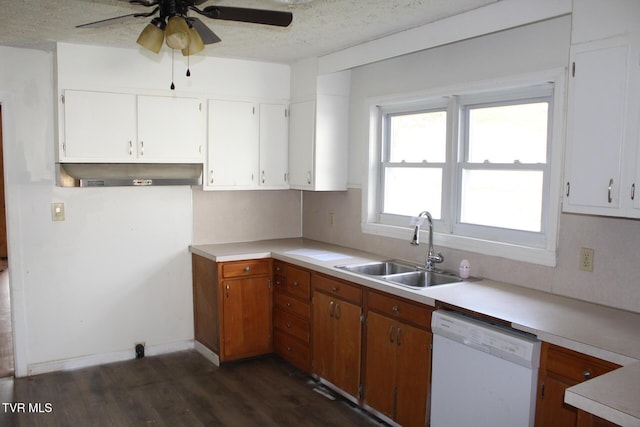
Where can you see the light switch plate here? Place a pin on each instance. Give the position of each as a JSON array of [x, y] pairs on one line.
[[57, 211]]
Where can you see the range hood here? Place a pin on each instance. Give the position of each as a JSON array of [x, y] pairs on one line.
[[127, 174]]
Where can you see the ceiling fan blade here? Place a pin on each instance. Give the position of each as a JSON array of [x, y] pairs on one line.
[[116, 20], [256, 16], [207, 36]]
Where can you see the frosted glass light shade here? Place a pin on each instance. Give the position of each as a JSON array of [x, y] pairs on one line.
[[177, 33], [196, 45], [151, 38]]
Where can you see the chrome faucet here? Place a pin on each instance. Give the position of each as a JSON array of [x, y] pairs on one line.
[[432, 256]]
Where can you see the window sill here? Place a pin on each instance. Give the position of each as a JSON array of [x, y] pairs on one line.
[[540, 256]]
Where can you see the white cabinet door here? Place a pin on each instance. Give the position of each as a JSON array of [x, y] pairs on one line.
[[597, 112], [170, 129], [274, 146], [302, 129], [98, 126], [233, 145]]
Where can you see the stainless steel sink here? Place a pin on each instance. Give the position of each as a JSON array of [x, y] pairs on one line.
[[401, 273], [422, 279], [379, 268]]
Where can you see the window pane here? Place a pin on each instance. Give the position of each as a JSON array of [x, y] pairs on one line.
[[418, 137], [505, 199], [409, 191], [507, 133]]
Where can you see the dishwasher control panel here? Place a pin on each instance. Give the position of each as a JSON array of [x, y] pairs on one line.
[[499, 341]]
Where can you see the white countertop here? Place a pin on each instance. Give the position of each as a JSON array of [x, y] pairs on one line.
[[599, 331]]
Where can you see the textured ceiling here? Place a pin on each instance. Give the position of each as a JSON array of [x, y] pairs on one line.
[[318, 28]]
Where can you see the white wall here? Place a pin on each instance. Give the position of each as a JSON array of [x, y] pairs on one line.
[[117, 271], [527, 49]]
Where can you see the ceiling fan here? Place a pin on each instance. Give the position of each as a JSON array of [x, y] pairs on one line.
[[188, 33]]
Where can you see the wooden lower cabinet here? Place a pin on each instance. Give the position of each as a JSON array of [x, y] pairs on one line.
[[561, 368], [292, 314], [398, 359], [233, 307], [337, 333], [246, 310]]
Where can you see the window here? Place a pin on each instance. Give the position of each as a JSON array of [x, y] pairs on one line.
[[479, 162]]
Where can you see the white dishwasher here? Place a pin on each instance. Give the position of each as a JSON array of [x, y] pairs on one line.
[[482, 374]]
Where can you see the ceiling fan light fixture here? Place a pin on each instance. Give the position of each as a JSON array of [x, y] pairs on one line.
[[177, 33], [152, 36], [196, 45]]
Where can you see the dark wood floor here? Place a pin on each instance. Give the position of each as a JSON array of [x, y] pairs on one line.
[[179, 389]]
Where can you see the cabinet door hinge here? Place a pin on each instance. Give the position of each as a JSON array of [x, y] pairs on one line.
[[286, 113], [573, 69], [542, 391], [269, 283], [362, 319], [360, 391], [62, 98]]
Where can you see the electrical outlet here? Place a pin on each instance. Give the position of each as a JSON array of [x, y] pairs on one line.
[[586, 259]]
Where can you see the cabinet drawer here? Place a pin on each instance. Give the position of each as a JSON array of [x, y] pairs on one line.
[[245, 268], [397, 308], [344, 290], [292, 350], [280, 268], [292, 305], [298, 282], [291, 324], [576, 366]]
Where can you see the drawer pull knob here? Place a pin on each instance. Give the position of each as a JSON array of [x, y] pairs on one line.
[[288, 348], [586, 374], [334, 289], [288, 325], [288, 304], [295, 283], [395, 309], [247, 269]]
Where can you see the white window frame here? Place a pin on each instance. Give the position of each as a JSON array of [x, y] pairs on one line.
[[447, 231]]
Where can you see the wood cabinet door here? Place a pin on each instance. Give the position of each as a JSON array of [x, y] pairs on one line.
[[247, 317], [323, 335], [413, 375], [205, 303], [380, 374], [552, 411], [347, 346]]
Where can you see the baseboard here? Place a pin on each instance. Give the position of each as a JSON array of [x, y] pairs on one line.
[[208, 354], [104, 358]]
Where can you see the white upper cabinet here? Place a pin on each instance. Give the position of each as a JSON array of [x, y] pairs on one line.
[[247, 147], [171, 129], [125, 128], [97, 127], [595, 132], [602, 164], [274, 146], [318, 136], [233, 144]]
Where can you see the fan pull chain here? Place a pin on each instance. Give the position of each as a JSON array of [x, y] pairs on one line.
[[173, 87], [188, 62]]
